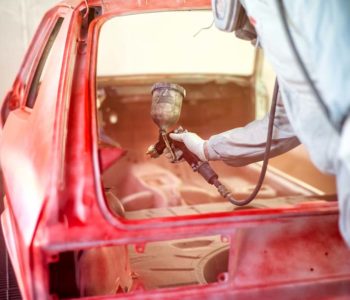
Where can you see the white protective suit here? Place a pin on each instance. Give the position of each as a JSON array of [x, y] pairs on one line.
[[320, 29]]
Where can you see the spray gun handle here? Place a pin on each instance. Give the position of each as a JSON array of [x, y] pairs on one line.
[[203, 168], [157, 149]]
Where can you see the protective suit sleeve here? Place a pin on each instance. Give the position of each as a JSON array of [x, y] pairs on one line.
[[242, 146]]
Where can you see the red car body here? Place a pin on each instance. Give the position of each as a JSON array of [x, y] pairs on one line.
[[54, 201]]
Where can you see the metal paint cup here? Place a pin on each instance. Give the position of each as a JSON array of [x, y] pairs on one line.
[[166, 104]]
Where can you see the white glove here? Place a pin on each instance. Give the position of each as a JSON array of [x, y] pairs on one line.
[[193, 143]]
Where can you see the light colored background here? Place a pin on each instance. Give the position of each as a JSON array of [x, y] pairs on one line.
[[159, 43], [19, 19]]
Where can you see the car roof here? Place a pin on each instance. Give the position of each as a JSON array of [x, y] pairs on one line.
[[111, 5]]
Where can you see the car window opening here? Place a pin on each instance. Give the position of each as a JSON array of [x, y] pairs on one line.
[[137, 187], [40, 71]]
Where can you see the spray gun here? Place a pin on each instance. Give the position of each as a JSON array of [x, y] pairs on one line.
[[165, 111]]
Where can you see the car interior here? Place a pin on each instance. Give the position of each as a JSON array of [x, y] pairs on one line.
[[139, 187]]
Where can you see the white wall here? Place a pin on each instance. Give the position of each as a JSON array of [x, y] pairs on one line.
[[18, 22], [166, 43]]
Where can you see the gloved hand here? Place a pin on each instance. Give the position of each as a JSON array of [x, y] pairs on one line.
[[193, 143]]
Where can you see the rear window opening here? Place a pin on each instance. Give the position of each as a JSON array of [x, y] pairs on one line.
[[138, 187]]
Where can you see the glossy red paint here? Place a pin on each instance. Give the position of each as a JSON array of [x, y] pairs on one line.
[[55, 202]]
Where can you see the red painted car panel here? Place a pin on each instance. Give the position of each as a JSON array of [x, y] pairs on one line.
[[55, 202]]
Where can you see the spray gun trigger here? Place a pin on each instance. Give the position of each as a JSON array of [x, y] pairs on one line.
[[180, 130]]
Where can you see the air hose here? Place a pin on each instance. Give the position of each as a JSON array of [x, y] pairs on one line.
[[227, 193]]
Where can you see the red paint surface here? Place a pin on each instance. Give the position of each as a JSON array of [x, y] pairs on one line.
[[56, 203]]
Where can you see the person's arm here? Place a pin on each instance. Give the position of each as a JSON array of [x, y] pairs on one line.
[[244, 145]]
